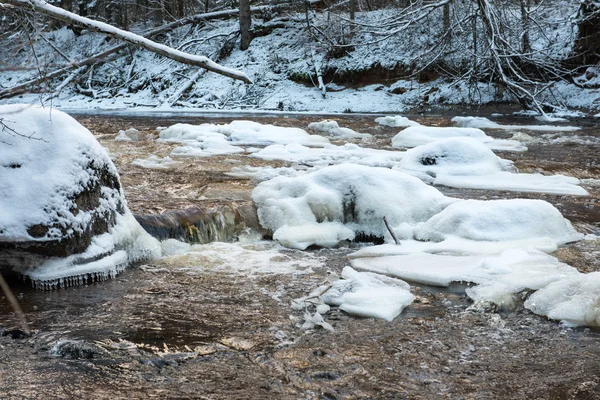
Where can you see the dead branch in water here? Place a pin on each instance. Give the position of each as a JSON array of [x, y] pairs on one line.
[[387, 225]]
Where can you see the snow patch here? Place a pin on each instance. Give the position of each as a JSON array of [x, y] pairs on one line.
[[482, 123], [396, 121], [332, 128]]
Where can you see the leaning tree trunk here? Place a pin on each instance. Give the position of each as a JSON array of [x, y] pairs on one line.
[[245, 22], [587, 44]]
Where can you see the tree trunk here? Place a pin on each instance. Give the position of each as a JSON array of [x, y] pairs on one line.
[[245, 22], [587, 44], [525, 44]]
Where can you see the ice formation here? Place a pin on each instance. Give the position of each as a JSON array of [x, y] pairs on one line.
[[396, 121], [454, 156], [129, 135], [369, 295], [498, 277], [332, 128], [51, 171], [464, 162], [418, 135], [498, 220], [210, 139], [155, 162], [574, 300], [330, 154], [482, 123], [353, 195]]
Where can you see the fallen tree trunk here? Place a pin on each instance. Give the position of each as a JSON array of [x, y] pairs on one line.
[[161, 49], [106, 55]]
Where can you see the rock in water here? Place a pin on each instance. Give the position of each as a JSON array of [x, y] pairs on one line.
[[63, 215]]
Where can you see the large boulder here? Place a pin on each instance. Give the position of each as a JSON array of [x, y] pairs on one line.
[[63, 215]]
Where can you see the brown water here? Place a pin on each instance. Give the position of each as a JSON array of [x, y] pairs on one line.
[[170, 332]]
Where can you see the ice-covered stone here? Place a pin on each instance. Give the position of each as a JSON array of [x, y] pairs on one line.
[[353, 195], [498, 220]]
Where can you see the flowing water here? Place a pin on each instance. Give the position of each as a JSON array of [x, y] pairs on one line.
[[195, 327]]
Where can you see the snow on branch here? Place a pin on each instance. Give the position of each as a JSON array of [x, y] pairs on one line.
[[166, 51]]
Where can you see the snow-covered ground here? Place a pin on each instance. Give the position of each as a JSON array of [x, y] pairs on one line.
[[280, 66]]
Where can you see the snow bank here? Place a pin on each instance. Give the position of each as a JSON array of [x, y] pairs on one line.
[[369, 295], [332, 128], [464, 162], [482, 123], [498, 220], [62, 203], [356, 196], [574, 300], [330, 154], [396, 121], [418, 135]]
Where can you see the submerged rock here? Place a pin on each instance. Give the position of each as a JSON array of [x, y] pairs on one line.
[[63, 215]]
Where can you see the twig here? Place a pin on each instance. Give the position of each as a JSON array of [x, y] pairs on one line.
[[387, 225], [15, 305]]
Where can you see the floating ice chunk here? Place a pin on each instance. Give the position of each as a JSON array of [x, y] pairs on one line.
[[332, 128], [481, 122], [330, 154], [129, 135], [316, 319], [396, 121], [155, 162], [241, 133], [261, 174], [206, 147], [418, 135], [499, 277], [357, 196], [454, 156], [455, 246], [574, 300], [324, 234], [536, 183], [369, 295], [498, 220]]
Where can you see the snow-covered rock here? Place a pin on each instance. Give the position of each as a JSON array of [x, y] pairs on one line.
[[63, 216], [396, 121], [353, 195], [418, 135], [129, 135], [498, 220], [155, 162], [574, 300], [332, 128], [454, 156], [369, 295], [464, 162]]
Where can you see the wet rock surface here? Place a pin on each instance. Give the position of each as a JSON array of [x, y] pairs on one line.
[[166, 331]]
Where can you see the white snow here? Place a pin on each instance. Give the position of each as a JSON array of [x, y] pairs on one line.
[[324, 234], [454, 156], [499, 277], [498, 220], [482, 123], [574, 300], [369, 295], [356, 196], [418, 135], [155, 162], [332, 128], [397, 121], [463, 162], [47, 160], [330, 154]]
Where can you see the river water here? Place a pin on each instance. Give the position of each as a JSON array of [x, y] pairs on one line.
[[170, 330]]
